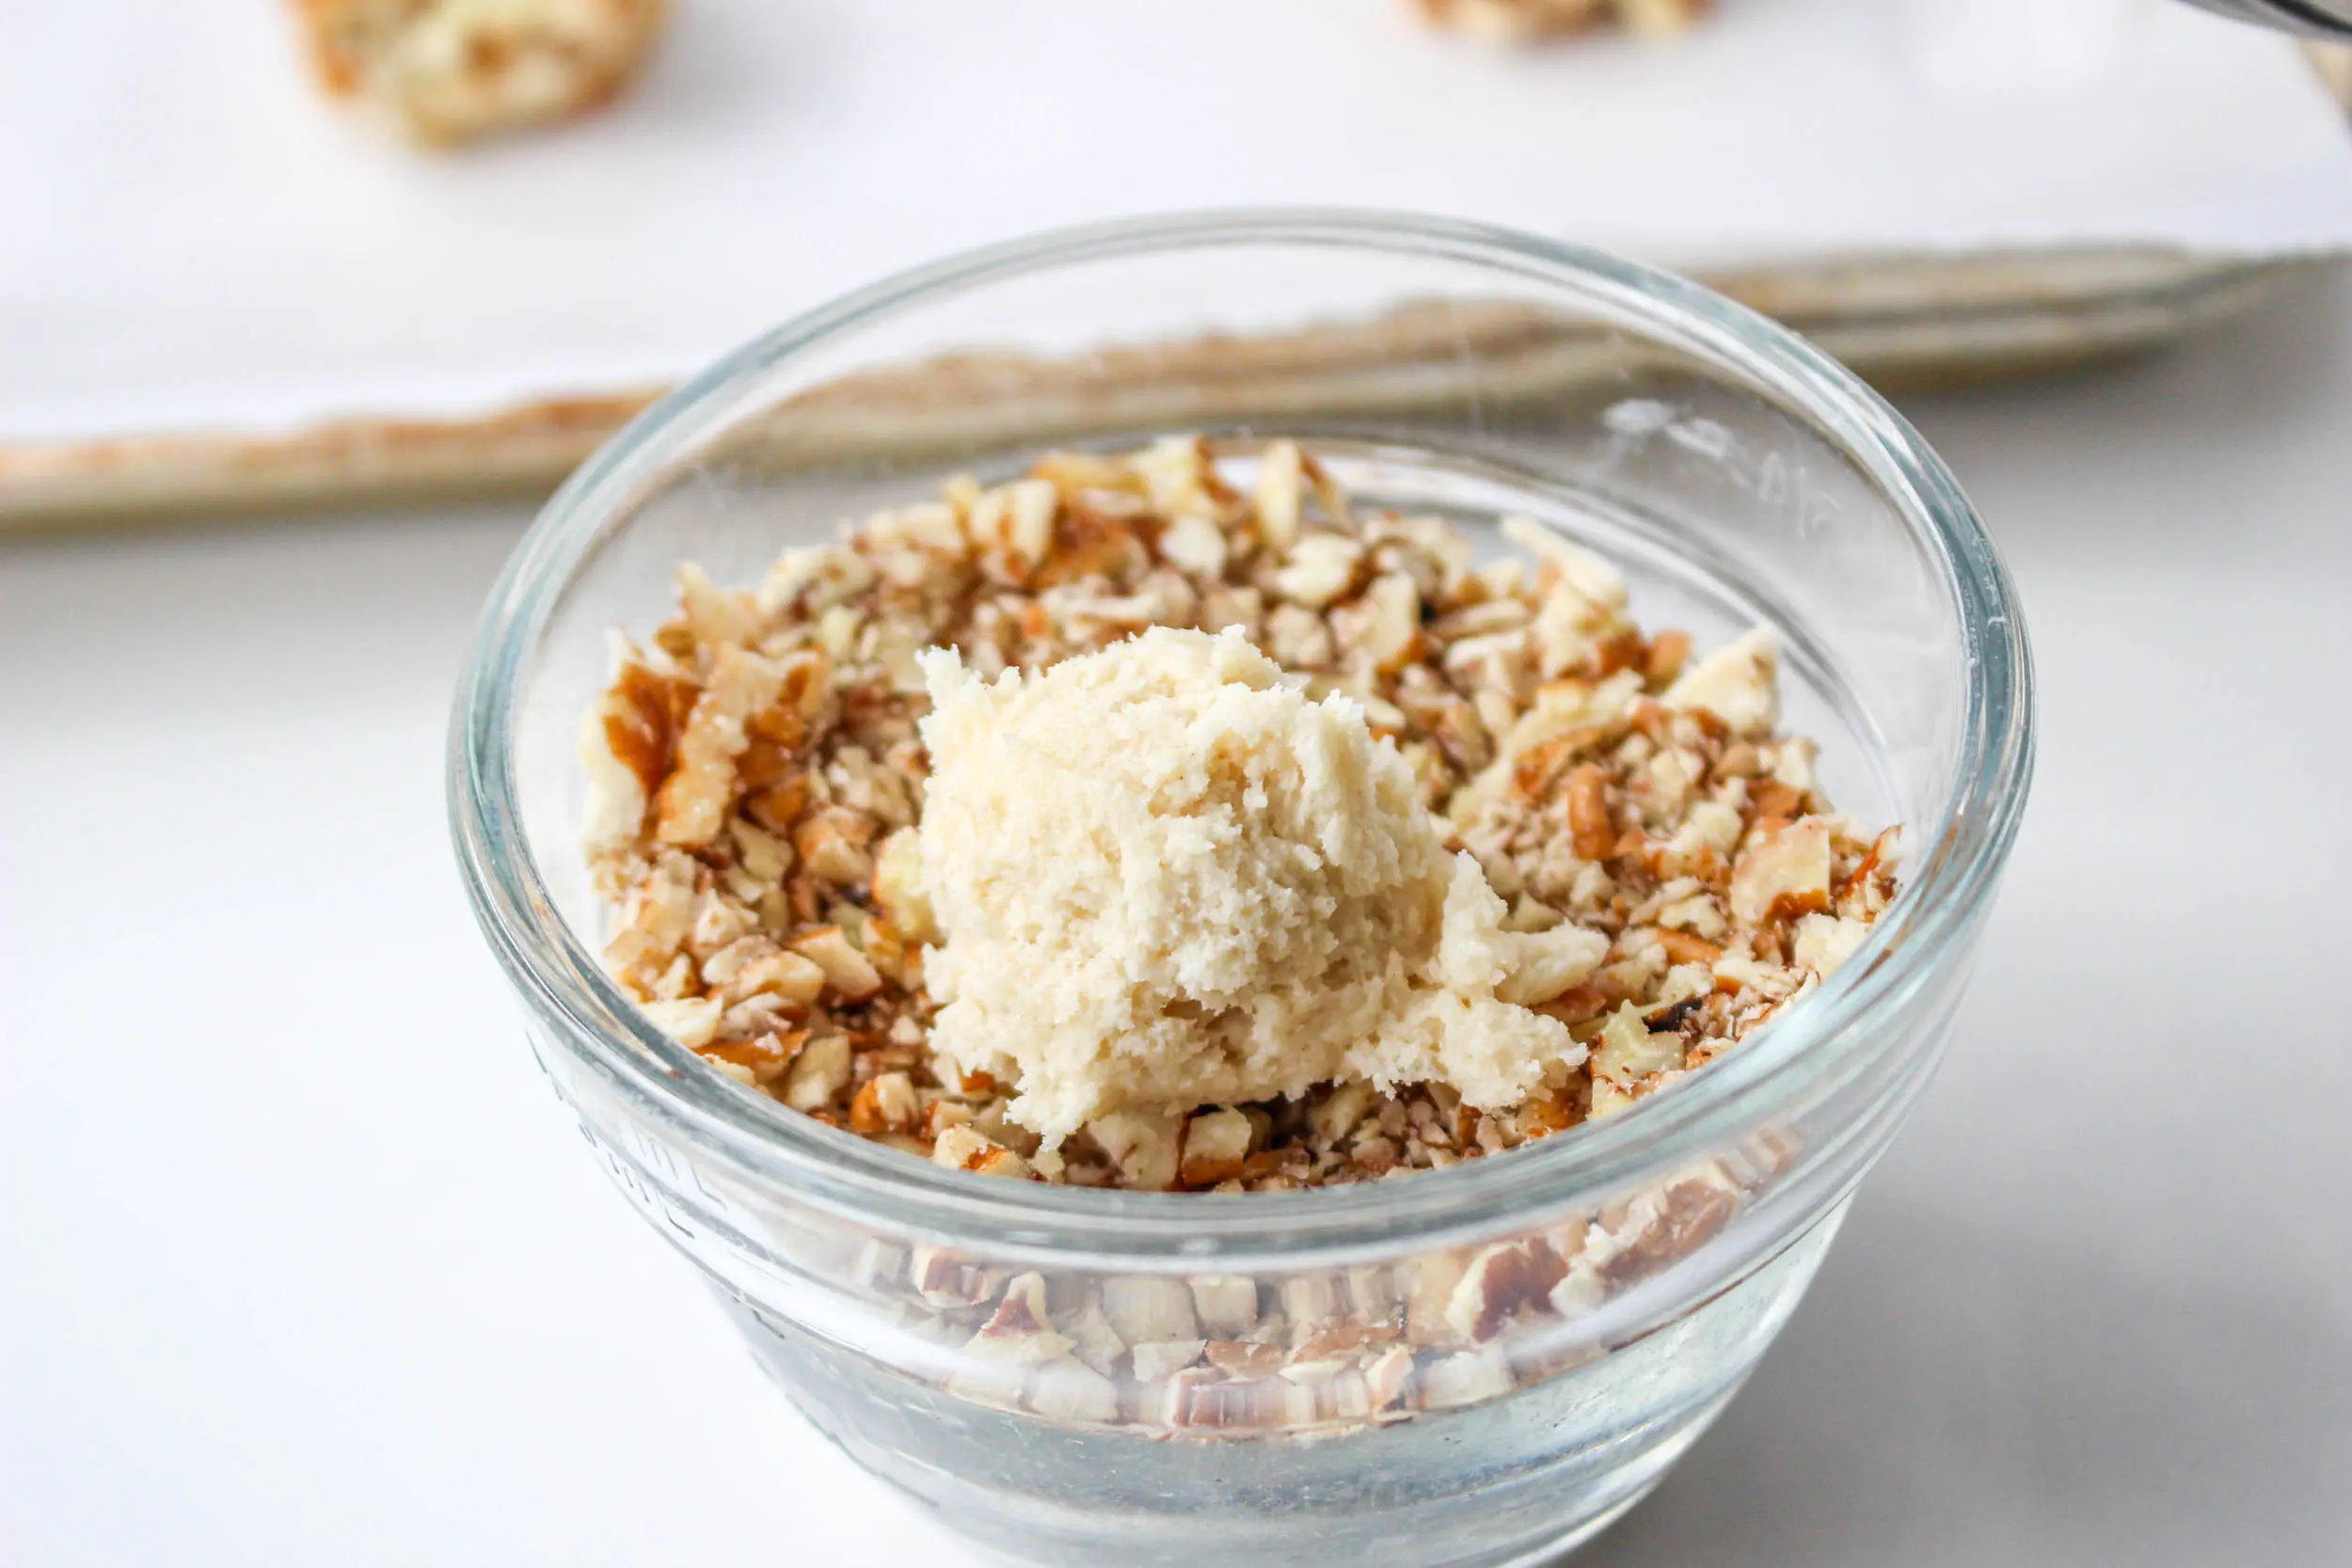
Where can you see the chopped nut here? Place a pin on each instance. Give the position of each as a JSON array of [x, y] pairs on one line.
[[819, 1073], [1298, 638], [1740, 971], [1737, 683], [788, 976], [1070, 1390], [1145, 1311], [1167, 1404], [1580, 1289], [845, 969], [1227, 1305], [1546, 964], [712, 613], [1215, 1143], [1020, 1333], [1594, 579], [758, 1060], [1783, 875], [968, 1149], [1341, 1396], [1178, 475], [1155, 1360], [1667, 652], [1433, 1279], [1663, 1226], [998, 1161], [943, 1280], [832, 844], [624, 746], [1589, 825], [940, 1114], [1499, 1281], [1321, 567], [898, 886], [1627, 1052], [1392, 624], [1017, 518], [1281, 487], [1684, 948], [886, 1103], [1451, 1381], [1389, 1377], [1824, 941], [1142, 1143], [1243, 1358], [1093, 1339], [1312, 1298], [1259, 1403], [930, 529], [1340, 1110], [1194, 544], [1792, 763], [690, 1020], [690, 808]]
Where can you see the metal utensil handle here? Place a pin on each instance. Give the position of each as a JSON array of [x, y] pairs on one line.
[[2319, 19]]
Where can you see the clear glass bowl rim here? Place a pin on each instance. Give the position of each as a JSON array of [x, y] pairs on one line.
[[1834, 1034]]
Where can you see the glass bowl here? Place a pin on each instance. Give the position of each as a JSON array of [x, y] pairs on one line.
[[1480, 1365]]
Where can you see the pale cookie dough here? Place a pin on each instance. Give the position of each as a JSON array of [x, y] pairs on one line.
[[1165, 877]]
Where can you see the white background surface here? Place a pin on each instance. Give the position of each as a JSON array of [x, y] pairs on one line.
[[305, 1265], [197, 240]]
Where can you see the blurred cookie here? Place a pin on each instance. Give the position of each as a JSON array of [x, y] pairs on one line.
[[1522, 20], [449, 71]]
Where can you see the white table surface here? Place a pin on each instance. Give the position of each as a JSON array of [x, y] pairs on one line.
[[305, 1265]]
